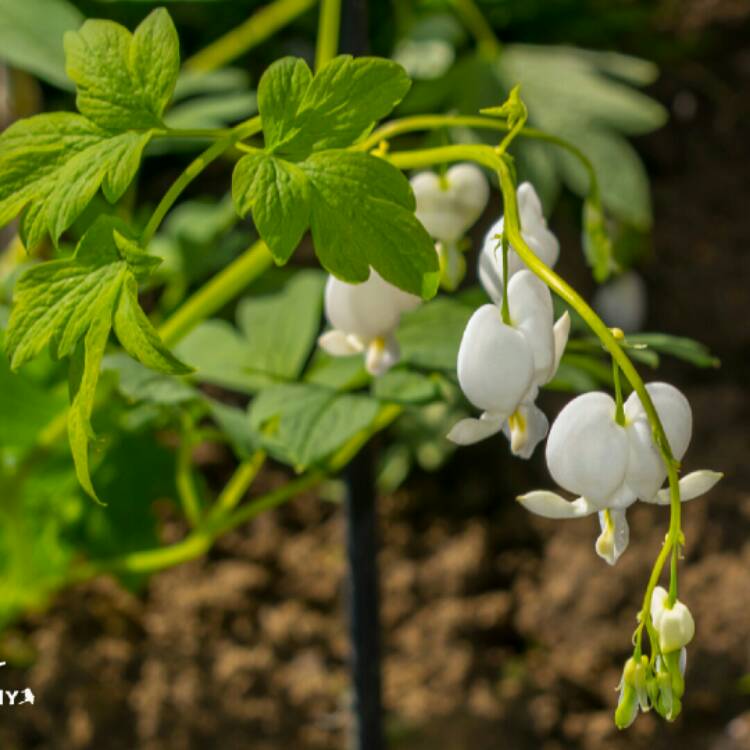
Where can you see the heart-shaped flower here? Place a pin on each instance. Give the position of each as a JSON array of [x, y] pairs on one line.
[[501, 366], [610, 465], [448, 204], [536, 234], [364, 318]]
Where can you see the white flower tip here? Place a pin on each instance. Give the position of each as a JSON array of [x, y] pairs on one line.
[[560, 332], [381, 356], [469, 431], [676, 627], [551, 505], [692, 485], [339, 344]]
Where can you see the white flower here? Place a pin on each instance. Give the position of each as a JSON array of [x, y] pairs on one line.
[[447, 205], [364, 318], [675, 625], [534, 231], [500, 367], [611, 466]]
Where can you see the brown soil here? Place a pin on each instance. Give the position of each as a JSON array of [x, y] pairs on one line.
[[501, 630]]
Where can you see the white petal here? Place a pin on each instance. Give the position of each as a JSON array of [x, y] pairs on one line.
[[525, 429], [530, 304], [615, 536], [658, 600], [447, 206], [560, 332], [368, 310], [381, 355], [552, 505], [647, 472], [495, 365], [587, 451], [469, 431], [676, 627], [692, 485], [338, 344]]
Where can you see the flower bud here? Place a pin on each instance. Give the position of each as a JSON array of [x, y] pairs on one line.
[[627, 704], [676, 628]]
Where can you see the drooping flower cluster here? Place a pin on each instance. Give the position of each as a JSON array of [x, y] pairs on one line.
[[364, 318], [448, 205], [611, 465]]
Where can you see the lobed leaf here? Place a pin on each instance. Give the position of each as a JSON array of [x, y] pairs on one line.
[[52, 165], [124, 81]]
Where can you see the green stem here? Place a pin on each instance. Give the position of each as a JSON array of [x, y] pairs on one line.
[[208, 133], [238, 484], [434, 122], [184, 479], [505, 308], [213, 152], [329, 24], [217, 292], [476, 23], [619, 405], [252, 32]]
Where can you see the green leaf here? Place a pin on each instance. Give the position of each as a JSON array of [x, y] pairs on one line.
[[139, 338], [280, 93], [277, 334], [363, 215], [303, 424], [71, 304], [281, 329], [56, 302], [31, 34], [52, 165], [278, 194], [138, 383], [429, 336], [338, 106], [27, 407], [124, 80], [405, 387], [572, 94], [683, 348], [83, 392]]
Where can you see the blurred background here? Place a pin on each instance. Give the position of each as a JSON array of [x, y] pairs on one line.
[[500, 629]]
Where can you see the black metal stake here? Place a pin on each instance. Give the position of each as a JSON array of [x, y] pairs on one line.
[[364, 611], [361, 521]]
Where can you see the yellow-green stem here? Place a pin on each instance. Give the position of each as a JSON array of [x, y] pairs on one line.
[[217, 292], [329, 24], [213, 152], [259, 27], [238, 484], [433, 122], [480, 29]]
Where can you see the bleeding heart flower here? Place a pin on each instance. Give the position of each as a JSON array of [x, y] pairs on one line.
[[364, 319], [611, 465], [447, 205], [535, 233], [500, 366]]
